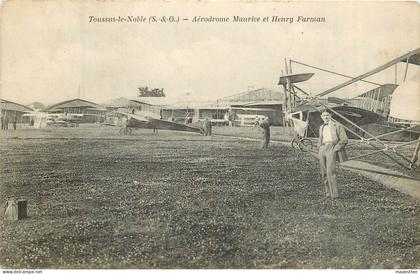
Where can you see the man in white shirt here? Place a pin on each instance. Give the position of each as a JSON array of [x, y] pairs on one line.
[[332, 140]]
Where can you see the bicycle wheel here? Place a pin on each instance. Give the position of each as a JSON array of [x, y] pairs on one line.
[[295, 144], [306, 144], [127, 131]]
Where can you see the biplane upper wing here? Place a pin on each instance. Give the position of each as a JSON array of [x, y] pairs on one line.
[[415, 59], [380, 92]]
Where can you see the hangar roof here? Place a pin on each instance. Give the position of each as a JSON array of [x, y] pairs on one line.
[[8, 105], [74, 103]]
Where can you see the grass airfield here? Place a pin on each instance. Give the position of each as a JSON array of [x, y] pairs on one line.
[[98, 199]]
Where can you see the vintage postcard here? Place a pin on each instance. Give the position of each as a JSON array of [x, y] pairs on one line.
[[209, 135]]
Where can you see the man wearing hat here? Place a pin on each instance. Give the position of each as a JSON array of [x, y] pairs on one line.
[[332, 142]]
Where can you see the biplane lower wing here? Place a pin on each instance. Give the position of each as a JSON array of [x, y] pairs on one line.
[[143, 120], [152, 123]]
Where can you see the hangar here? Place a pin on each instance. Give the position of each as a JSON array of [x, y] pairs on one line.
[[246, 105], [11, 111], [91, 112], [239, 109]]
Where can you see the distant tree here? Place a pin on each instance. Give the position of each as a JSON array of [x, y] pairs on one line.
[[146, 92], [143, 91], [37, 105]]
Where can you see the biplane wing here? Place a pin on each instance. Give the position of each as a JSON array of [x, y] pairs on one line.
[[415, 59], [370, 127], [139, 120], [361, 117], [167, 125], [136, 117]]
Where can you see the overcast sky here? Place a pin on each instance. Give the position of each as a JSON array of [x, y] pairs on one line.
[[49, 48]]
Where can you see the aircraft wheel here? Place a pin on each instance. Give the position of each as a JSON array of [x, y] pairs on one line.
[[306, 144], [295, 144]]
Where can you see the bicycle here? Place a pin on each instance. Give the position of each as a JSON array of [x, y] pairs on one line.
[[302, 143], [298, 134], [126, 131]]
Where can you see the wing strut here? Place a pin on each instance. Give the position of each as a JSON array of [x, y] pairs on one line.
[[367, 74]]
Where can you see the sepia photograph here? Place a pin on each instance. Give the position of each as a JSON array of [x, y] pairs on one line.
[[149, 135]]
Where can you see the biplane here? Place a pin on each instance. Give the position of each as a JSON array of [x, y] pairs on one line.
[[64, 120], [141, 119], [365, 124]]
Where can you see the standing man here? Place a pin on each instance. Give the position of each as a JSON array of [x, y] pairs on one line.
[[14, 123], [332, 140], [265, 127], [188, 118], [207, 127], [231, 118], [6, 122]]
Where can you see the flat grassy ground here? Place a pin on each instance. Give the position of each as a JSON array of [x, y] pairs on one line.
[[97, 199]]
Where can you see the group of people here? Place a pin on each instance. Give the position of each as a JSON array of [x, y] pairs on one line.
[[331, 142]]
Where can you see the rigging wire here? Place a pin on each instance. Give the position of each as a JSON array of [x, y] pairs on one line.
[[336, 73]]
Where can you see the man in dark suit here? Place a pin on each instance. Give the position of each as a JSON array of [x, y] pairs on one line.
[[265, 127], [332, 142], [207, 127]]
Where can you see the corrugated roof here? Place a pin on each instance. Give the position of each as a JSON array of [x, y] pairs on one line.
[[178, 103], [262, 103], [200, 105], [118, 102], [73, 104], [196, 107], [261, 94], [8, 105], [156, 101]]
